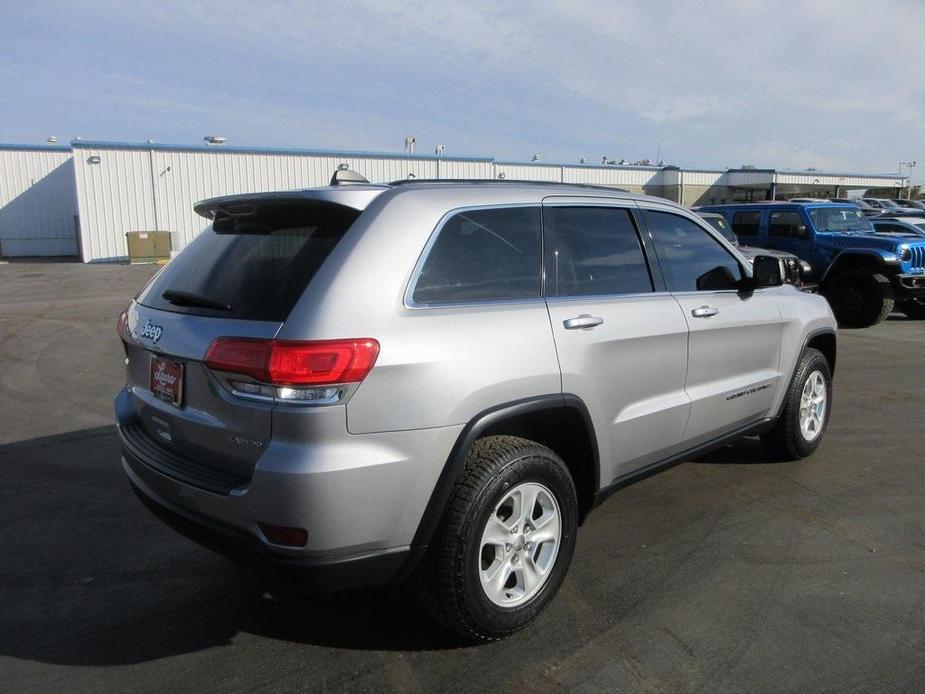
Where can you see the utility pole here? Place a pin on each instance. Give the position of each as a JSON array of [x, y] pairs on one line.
[[910, 165]]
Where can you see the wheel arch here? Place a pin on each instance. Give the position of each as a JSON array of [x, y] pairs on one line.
[[848, 260], [826, 342], [559, 421]]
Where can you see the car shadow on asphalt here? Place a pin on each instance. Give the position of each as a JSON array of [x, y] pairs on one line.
[[747, 451], [90, 577]]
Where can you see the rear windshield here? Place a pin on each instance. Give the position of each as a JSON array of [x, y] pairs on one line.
[[253, 265]]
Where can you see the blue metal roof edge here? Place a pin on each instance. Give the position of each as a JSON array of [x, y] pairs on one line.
[[239, 149], [34, 148]]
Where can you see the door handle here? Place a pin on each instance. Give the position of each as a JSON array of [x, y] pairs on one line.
[[583, 322], [704, 312]]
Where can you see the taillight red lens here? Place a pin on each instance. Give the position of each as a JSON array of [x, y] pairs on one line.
[[240, 355], [322, 363], [292, 362]]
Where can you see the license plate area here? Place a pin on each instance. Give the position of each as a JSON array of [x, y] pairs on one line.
[[166, 380]]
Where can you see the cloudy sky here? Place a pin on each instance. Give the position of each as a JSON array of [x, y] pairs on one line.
[[834, 85]]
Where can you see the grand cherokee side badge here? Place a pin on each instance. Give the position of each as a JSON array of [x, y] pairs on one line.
[[152, 331], [242, 441]]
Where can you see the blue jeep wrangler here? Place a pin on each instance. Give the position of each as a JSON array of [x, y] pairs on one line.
[[862, 274]]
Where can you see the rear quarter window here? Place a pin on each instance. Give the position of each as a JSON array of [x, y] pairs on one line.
[[256, 264], [483, 255]]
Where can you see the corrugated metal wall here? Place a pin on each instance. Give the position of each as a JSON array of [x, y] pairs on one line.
[[37, 204], [456, 168], [703, 178], [528, 172], [134, 188], [848, 180], [115, 188], [182, 178], [618, 177], [114, 196], [633, 178]]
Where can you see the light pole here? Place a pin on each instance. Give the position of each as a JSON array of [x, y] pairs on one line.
[[910, 165]]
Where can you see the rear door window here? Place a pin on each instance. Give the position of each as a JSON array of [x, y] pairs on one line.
[[784, 224], [483, 255], [746, 223], [593, 251], [254, 265]]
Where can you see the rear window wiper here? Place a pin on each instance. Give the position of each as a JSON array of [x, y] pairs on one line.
[[178, 298]]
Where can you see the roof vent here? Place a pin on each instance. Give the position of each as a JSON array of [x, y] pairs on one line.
[[342, 176]]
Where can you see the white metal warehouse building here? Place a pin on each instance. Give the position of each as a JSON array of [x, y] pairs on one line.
[[82, 199], [38, 207]]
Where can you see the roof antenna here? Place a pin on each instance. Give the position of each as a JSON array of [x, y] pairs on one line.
[[346, 176]]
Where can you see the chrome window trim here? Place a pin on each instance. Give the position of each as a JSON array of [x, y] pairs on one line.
[[409, 301], [702, 292], [487, 304], [606, 297], [562, 201]]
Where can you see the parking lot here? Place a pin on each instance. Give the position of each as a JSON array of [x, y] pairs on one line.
[[730, 573]]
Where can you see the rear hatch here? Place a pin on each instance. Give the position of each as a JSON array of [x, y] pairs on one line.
[[239, 278]]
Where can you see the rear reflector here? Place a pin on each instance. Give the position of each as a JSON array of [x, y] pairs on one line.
[[294, 362], [284, 535]]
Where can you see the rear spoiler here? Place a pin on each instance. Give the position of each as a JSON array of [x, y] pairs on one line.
[[356, 197]]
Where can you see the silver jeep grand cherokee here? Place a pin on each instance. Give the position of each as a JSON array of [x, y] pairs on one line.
[[440, 380]]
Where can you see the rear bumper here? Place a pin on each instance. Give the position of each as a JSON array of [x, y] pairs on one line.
[[359, 497], [366, 570]]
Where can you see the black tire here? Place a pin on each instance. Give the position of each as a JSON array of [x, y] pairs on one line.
[[914, 309], [785, 441], [860, 298], [448, 580]]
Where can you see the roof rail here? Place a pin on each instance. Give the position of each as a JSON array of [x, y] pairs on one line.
[[501, 181]]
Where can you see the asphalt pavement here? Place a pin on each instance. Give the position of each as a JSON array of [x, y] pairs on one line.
[[732, 573]]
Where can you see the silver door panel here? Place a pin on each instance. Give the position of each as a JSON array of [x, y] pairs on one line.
[[630, 371]]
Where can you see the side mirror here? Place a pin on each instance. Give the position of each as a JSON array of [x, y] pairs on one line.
[[802, 232], [766, 272], [716, 279]]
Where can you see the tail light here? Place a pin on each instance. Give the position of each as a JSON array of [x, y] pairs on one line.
[[122, 326], [294, 370]]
